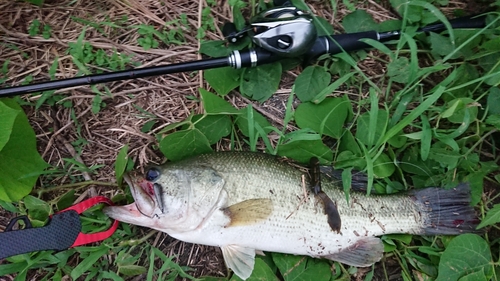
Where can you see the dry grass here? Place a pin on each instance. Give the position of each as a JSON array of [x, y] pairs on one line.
[[119, 123]]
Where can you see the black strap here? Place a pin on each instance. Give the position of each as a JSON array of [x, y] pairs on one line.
[[59, 234]]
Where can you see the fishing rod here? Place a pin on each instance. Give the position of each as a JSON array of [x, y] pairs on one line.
[[278, 33]]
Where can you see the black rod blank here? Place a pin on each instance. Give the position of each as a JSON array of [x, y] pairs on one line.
[[115, 76]]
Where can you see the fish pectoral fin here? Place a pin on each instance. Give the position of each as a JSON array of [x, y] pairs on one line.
[[364, 252], [249, 211], [239, 259]]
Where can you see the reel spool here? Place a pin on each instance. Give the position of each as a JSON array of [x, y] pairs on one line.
[[285, 31]]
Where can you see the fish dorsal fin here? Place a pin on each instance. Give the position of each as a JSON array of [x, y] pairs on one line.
[[239, 259], [249, 212], [364, 252]]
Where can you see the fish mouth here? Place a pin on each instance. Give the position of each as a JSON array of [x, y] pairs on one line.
[[143, 192]]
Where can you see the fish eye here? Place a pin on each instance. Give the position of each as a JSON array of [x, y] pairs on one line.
[[153, 174]]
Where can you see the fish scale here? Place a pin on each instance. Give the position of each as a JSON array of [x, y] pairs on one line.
[[244, 201]]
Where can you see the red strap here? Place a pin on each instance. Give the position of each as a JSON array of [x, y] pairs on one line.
[[86, 238]]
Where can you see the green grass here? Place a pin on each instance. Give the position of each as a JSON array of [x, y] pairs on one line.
[[431, 124]]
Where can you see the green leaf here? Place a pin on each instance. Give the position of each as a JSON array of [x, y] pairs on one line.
[[399, 70], [261, 272], [447, 158], [383, 166], [348, 143], [214, 127], [36, 2], [261, 82], [347, 159], [425, 141], [223, 80], [363, 128], [8, 116], [332, 87], [38, 210], [214, 104], [440, 45], [66, 200], [20, 163], [242, 121], [492, 217], [323, 26], [301, 268], [121, 164], [88, 262], [466, 254], [311, 82], [304, 150], [493, 102], [494, 120], [132, 270], [326, 118], [459, 108], [214, 49], [358, 21], [182, 144]]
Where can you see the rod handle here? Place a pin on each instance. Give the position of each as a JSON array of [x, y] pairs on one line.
[[334, 44]]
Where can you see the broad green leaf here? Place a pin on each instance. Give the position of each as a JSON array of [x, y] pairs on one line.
[[363, 128], [215, 49], [475, 276], [358, 21], [492, 217], [242, 121], [399, 70], [214, 127], [460, 106], [348, 142], [494, 120], [223, 80], [38, 210], [20, 162], [311, 82], [304, 150], [447, 158], [8, 116], [493, 102], [261, 82], [216, 105], [332, 87], [440, 45], [466, 254], [323, 26], [182, 144], [326, 118], [347, 159], [383, 166], [66, 200], [301, 268], [121, 164], [261, 272]]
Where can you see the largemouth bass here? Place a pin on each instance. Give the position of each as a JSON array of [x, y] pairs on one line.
[[245, 202]]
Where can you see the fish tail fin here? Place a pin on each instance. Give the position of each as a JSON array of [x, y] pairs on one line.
[[446, 211]]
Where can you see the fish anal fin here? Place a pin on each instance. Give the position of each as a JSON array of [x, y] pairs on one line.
[[364, 252], [249, 212], [239, 259]]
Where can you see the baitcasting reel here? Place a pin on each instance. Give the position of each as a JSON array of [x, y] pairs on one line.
[[284, 31]]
